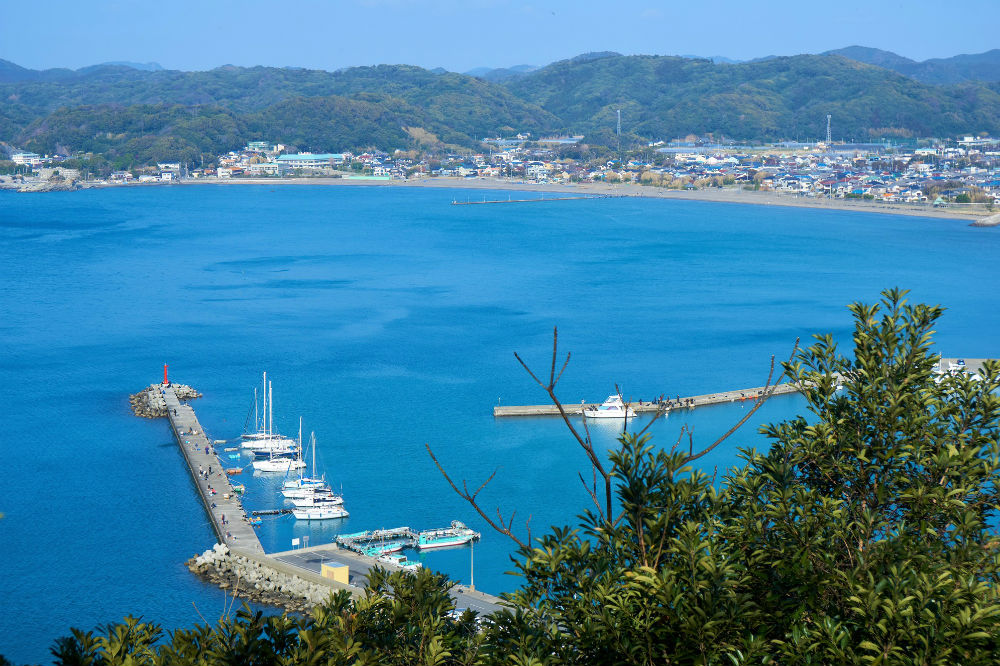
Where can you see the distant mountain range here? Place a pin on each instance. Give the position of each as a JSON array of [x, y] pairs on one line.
[[136, 113], [956, 69]]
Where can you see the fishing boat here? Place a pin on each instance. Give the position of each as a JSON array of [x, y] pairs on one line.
[[612, 408], [399, 561], [320, 513], [377, 550], [456, 535]]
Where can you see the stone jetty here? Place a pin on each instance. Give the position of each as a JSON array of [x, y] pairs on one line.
[[293, 580], [254, 579], [989, 221], [150, 403]]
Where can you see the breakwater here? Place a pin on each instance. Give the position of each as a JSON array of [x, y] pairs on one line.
[[663, 403], [150, 403], [258, 580], [293, 580], [456, 202]]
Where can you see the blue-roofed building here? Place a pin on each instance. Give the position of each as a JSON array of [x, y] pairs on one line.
[[311, 160]]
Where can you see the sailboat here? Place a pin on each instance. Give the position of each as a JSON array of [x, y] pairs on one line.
[[314, 501], [281, 463], [305, 487], [263, 439]]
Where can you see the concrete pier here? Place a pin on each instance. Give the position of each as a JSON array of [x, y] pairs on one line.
[[239, 535], [671, 403], [216, 491], [972, 365]]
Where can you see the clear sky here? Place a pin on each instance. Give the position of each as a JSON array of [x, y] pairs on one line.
[[462, 34]]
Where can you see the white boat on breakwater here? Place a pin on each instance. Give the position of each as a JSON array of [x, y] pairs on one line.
[[612, 408]]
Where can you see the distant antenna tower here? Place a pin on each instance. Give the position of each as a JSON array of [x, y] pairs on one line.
[[828, 139], [619, 133]]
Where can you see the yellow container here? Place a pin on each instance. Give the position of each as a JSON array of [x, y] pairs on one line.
[[335, 571]]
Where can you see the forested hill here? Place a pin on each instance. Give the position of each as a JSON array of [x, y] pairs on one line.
[[786, 97], [171, 115], [956, 69]]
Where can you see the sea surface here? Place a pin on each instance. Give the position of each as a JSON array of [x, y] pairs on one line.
[[387, 319]]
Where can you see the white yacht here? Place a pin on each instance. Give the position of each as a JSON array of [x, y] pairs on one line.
[[317, 499], [274, 464], [612, 408], [264, 439], [320, 513]]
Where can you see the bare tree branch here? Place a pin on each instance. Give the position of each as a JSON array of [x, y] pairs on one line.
[[761, 399], [502, 528]]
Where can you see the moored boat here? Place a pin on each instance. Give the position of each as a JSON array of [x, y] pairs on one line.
[[320, 513], [399, 561], [612, 408], [456, 535]]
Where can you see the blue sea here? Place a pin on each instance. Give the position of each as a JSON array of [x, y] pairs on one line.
[[387, 319]]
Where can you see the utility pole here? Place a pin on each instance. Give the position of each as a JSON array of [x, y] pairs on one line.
[[472, 565], [619, 133]]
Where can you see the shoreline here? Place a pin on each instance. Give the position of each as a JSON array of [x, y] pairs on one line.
[[715, 195], [722, 195]]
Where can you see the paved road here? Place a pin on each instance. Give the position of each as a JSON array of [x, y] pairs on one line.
[[312, 559]]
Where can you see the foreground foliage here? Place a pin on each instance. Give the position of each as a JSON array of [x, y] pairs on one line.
[[864, 535]]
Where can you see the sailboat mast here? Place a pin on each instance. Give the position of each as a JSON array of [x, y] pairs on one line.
[[264, 415], [270, 408]]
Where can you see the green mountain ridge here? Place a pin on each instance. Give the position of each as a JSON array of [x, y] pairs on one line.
[[132, 113], [982, 67]]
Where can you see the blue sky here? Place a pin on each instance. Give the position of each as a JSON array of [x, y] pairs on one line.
[[462, 34]]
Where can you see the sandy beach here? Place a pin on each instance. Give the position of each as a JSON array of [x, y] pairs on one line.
[[720, 195]]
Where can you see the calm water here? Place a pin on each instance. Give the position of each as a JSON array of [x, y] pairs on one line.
[[387, 318]]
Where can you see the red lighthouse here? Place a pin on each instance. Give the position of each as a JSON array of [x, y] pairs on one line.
[[166, 382]]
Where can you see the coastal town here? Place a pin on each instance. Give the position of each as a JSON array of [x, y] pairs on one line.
[[960, 172]]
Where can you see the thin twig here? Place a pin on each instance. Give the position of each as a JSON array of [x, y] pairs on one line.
[[504, 527], [761, 399]]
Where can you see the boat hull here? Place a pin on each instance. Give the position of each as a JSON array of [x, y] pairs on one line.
[[320, 514]]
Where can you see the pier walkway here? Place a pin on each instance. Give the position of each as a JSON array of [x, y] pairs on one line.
[[671, 404], [972, 365], [216, 491]]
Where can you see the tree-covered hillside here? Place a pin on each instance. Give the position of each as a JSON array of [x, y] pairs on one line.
[[956, 69], [662, 97], [168, 115]]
